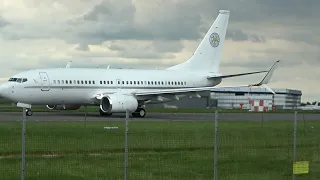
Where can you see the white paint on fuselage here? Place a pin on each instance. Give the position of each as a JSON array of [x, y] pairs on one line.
[[33, 92]]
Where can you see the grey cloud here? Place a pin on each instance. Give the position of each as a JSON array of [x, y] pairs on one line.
[[167, 46], [145, 55], [155, 50], [114, 23], [295, 8], [291, 60], [3, 22], [93, 62], [239, 35], [115, 47], [184, 20], [94, 14], [82, 47]]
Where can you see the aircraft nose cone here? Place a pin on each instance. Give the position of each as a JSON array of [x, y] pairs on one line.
[[2, 90], [1, 87]]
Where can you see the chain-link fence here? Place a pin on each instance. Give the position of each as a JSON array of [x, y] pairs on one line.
[[125, 148]]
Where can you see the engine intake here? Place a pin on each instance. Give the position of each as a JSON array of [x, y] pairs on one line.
[[114, 103]]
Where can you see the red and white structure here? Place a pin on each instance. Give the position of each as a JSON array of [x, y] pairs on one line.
[[260, 105]]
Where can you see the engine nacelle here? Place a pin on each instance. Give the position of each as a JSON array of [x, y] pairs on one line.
[[118, 103], [63, 107]]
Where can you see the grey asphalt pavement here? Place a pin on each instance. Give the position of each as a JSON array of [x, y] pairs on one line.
[[80, 116]]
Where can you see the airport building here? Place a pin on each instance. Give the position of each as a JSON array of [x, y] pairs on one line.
[[233, 98], [245, 98]]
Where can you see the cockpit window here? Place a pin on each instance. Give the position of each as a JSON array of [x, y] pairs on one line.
[[13, 79], [19, 80]]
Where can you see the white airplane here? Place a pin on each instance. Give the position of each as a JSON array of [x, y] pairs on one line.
[[310, 107], [118, 90]]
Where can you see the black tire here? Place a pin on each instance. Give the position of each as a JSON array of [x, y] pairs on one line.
[[140, 112], [29, 112]]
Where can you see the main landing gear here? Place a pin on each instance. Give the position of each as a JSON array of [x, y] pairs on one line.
[[29, 112], [140, 112]]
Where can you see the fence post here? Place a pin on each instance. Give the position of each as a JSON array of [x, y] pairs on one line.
[[294, 142], [85, 116], [262, 119], [23, 144], [215, 156], [126, 148]]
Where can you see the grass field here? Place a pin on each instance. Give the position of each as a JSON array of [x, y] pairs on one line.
[[158, 150]]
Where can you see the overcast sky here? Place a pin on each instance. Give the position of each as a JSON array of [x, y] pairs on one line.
[[152, 34]]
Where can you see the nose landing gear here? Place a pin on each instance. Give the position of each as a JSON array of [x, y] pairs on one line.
[[29, 112]]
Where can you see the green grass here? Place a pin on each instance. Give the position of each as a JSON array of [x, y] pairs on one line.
[[158, 150]]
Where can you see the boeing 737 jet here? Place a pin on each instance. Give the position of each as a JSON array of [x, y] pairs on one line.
[[119, 90]]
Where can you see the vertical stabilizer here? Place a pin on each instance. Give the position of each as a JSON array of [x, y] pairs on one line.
[[208, 54]]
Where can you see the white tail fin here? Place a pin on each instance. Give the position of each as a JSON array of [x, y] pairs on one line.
[[208, 54]]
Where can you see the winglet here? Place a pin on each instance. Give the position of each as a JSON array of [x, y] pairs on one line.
[[267, 78], [69, 64]]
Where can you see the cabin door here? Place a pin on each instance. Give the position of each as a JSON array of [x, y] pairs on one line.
[[45, 83]]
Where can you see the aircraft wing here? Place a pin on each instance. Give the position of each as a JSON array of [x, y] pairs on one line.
[[234, 75], [262, 83]]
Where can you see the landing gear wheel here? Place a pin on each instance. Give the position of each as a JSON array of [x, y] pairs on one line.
[[29, 112], [104, 114], [140, 112]]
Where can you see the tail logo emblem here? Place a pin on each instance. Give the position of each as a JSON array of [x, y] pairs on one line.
[[214, 40]]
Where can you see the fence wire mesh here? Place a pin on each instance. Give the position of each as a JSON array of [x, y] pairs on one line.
[[166, 149]]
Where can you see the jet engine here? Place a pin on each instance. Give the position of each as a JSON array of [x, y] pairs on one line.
[[118, 103], [63, 107]]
